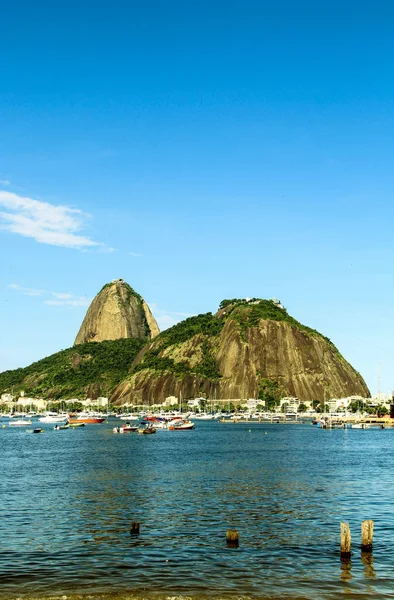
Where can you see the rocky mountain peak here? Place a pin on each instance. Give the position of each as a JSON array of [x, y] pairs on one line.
[[117, 312]]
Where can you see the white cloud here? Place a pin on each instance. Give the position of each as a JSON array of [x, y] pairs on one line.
[[5, 182], [44, 222], [72, 301], [106, 249], [134, 254], [26, 291], [59, 298], [62, 296]]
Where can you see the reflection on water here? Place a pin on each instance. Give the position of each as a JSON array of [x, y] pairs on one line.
[[346, 570], [367, 560], [68, 497]]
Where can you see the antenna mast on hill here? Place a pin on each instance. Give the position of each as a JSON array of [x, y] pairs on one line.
[[378, 379]]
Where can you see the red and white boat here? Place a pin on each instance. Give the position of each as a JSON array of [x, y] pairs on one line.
[[125, 428], [86, 418]]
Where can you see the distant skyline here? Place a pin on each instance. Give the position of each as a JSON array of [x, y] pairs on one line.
[[199, 151]]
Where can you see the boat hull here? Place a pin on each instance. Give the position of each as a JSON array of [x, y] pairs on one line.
[[87, 420], [125, 429]]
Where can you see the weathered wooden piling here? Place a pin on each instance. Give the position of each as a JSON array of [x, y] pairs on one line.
[[346, 541], [232, 538], [366, 536], [134, 528]]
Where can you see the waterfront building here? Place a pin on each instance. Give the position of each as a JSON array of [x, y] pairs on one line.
[[291, 403], [195, 403], [7, 398], [171, 401], [37, 403]]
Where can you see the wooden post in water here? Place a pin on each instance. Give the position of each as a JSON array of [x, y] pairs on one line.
[[232, 538], [134, 528], [346, 540], [366, 536]]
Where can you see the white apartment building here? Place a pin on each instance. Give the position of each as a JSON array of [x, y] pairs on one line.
[[292, 403], [171, 401]]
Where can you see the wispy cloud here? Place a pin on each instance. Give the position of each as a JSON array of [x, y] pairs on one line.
[[5, 182], [72, 301], [26, 291], [61, 296], [46, 223], [135, 254], [55, 298]]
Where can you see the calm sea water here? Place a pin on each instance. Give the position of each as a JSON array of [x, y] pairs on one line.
[[67, 499]]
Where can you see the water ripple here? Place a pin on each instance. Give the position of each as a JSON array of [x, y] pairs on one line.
[[67, 499]]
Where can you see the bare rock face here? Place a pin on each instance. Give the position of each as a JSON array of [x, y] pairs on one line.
[[117, 312], [234, 354], [93, 391]]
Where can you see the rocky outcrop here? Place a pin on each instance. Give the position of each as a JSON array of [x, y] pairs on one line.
[[93, 391], [304, 364], [117, 312]]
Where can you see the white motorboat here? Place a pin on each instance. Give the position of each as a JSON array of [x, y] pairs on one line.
[[203, 417], [52, 417], [183, 425], [19, 423]]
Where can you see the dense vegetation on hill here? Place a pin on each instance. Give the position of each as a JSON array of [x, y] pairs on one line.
[[249, 313], [207, 326], [246, 313], [68, 373], [106, 364], [249, 348]]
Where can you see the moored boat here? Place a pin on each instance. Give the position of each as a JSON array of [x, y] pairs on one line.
[[86, 418], [147, 429], [19, 423], [203, 416], [184, 425], [125, 428], [52, 417]]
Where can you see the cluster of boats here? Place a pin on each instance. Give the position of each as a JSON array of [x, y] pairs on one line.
[[338, 424], [59, 420], [151, 424], [148, 424]]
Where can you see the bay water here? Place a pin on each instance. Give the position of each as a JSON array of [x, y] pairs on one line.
[[67, 499]]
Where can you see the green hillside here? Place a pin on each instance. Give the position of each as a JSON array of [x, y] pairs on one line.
[[246, 313], [68, 373]]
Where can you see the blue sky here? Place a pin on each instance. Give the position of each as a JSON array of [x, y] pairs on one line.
[[199, 150]]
